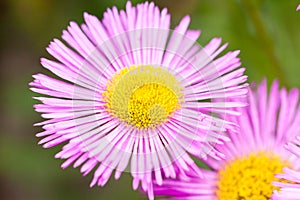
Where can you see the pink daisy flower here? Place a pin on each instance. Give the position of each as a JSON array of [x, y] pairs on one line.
[[298, 8], [134, 96], [255, 154], [291, 188]]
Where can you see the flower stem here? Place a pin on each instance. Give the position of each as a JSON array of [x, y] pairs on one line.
[[265, 40]]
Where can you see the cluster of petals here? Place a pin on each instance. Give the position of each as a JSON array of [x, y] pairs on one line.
[[94, 139], [290, 189]]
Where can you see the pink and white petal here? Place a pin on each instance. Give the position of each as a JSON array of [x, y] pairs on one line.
[[192, 187]]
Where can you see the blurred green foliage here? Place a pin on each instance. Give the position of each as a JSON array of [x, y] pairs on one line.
[[266, 31]]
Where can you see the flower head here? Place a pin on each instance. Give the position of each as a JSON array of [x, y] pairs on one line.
[[133, 92], [290, 189], [255, 154]]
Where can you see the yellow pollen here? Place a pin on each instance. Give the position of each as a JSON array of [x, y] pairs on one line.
[[250, 178], [143, 96]]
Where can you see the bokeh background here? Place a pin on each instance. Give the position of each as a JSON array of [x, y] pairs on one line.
[[266, 31]]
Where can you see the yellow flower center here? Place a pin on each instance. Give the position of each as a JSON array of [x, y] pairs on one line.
[[250, 178], [143, 96]]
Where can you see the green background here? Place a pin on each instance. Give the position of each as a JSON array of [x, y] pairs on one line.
[[267, 32]]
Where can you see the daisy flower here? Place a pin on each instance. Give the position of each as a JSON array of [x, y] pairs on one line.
[[291, 188], [134, 96], [298, 8], [255, 154]]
